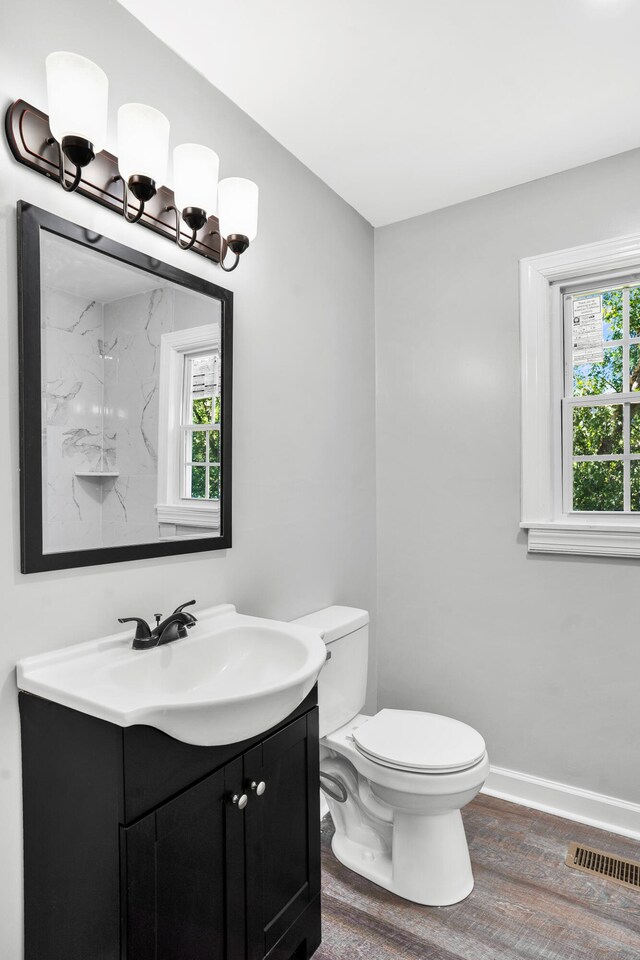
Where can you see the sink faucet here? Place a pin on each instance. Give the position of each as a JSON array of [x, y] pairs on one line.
[[174, 627]]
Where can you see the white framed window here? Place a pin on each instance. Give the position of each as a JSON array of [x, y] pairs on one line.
[[580, 346], [190, 428], [200, 426]]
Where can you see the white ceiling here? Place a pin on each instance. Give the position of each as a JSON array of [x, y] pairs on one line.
[[408, 106]]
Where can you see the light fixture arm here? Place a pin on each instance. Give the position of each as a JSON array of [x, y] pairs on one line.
[[125, 201], [224, 247], [194, 232], [68, 187]]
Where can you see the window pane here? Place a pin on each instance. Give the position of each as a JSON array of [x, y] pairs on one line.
[[634, 367], [612, 315], [634, 427], [214, 446], [201, 412], [199, 446], [598, 486], [635, 484], [592, 379], [597, 430], [634, 312], [198, 481], [216, 409], [214, 483]]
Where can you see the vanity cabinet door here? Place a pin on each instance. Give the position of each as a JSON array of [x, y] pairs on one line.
[[282, 837], [183, 876]]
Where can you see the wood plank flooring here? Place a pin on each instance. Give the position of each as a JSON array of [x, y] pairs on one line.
[[526, 904]]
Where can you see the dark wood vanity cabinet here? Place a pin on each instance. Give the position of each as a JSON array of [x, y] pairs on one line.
[[182, 875], [282, 841], [135, 850]]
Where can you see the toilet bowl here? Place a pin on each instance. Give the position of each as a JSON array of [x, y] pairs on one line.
[[420, 850], [395, 782]]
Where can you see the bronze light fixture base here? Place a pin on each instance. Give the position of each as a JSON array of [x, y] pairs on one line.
[[143, 188], [78, 151], [237, 243], [194, 217]]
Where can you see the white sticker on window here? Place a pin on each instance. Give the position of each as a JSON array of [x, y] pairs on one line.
[[586, 330], [585, 306], [205, 376]]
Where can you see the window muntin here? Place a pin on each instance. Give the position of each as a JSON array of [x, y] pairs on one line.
[[601, 412], [200, 427]]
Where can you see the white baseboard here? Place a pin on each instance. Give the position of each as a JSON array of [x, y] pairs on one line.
[[559, 799], [572, 803]]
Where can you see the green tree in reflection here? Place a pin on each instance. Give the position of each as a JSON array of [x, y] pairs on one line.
[[205, 410]]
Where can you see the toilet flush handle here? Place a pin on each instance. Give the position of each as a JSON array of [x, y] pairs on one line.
[[341, 795]]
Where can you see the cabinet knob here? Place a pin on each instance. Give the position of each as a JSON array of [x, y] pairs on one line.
[[240, 800], [258, 788]]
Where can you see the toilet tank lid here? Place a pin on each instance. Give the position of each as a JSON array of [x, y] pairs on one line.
[[335, 622]]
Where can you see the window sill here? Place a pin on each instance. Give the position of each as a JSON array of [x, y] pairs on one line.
[[189, 514], [179, 537], [584, 538]]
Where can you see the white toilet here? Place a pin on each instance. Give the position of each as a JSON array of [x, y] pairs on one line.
[[395, 782]]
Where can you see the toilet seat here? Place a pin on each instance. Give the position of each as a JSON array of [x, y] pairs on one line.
[[419, 742]]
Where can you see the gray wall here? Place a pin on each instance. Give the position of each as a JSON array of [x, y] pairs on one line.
[[540, 653], [304, 382]]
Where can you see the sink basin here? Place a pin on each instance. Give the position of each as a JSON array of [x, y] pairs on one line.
[[231, 678]]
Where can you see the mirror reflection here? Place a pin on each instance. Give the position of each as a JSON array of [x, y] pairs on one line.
[[131, 403]]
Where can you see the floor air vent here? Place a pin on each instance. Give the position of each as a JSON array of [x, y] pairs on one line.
[[601, 864]]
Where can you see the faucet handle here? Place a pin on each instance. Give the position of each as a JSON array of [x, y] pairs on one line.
[[189, 603], [142, 629]]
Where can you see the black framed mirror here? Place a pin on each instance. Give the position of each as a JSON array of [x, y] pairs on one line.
[[125, 401]]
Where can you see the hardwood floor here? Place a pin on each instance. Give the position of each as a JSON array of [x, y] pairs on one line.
[[526, 903]]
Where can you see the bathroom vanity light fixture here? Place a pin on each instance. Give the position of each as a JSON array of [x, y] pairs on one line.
[[73, 135], [143, 143], [77, 91], [195, 173]]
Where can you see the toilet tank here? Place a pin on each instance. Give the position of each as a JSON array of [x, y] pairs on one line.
[[342, 683]]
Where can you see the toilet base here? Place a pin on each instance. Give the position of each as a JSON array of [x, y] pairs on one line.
[[429, 862]]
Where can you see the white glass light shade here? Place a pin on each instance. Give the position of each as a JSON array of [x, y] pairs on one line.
[[143, 142], [238, 207], [77, 91], [195, 177]]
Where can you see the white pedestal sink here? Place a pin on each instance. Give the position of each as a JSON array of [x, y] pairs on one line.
[[233, 677]]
